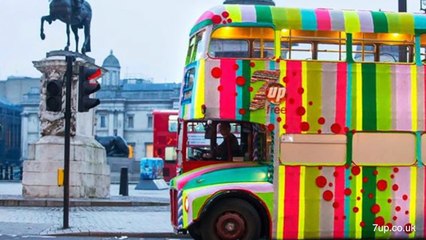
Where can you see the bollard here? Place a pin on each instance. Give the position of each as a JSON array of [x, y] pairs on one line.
[[124, 182]]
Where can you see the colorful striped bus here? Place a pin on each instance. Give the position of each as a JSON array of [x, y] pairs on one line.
[[332, 111]]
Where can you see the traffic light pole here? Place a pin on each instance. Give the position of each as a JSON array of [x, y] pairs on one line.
[[68, 80]]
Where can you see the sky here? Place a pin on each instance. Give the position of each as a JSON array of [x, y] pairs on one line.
[[149, 37]]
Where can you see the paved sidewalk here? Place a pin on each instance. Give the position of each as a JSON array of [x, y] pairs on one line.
[[144, 213], [11, 195]]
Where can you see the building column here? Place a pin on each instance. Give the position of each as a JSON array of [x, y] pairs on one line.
[[24, 135], [111, 124], [120, 125]]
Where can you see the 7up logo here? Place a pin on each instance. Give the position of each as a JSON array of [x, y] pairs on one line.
[[275, 93]]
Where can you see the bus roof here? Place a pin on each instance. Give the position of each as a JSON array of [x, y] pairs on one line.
[[350, 21]]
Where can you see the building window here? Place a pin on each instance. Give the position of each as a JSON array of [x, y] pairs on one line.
[[149, 125], [130, 121], [149, 150], [103, 121]]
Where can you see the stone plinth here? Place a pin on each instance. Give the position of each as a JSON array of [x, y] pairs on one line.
[[89, 171]]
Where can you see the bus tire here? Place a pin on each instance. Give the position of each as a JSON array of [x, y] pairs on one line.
[[194, 231], [231, 219]]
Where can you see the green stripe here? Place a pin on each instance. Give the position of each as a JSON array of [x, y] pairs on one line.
[[296, 18], [354, 96], [263, 14], [369, 188], [279, 17], [314, 83], [406, 23], [369, 121], [384, 97], [349, 56], [380, 22], [246, 72], [353, 224], [349, 136], [393, 22], [200, 25], [312, 203], [257, 115], [382, 197]]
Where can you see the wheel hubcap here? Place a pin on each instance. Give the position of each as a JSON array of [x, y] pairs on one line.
[[230, 226]]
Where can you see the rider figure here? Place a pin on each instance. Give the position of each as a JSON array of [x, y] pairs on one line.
[[76, 9]]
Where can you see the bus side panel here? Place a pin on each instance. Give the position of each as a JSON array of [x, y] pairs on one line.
[[351, 202]]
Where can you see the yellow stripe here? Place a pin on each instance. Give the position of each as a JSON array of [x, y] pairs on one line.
[[280, 204], [305, 87], [199, 99], [413, 198], [277, 43], [302, 203], [414, 109], [283, 73], [358, 216], [234, 12], [358, 71]]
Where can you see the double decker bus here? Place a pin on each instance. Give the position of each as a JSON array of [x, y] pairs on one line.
[[165, 126], [332, 115]]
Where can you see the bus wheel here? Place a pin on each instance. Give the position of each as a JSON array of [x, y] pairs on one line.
[[194, 231], [231, 219]]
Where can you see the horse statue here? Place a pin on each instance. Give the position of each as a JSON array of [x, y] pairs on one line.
[[74, 13]]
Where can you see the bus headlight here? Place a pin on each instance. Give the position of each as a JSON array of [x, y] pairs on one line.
[[186, 204]]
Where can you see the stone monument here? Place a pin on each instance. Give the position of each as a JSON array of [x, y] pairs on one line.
[[89, 171]]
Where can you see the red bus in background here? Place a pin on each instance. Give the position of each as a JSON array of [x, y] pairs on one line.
[[165, 126]]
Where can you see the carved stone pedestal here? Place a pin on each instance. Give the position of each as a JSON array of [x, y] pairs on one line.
[[89, 171]]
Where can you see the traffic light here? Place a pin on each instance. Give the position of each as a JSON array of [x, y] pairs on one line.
[[54, 96], [87, 85]]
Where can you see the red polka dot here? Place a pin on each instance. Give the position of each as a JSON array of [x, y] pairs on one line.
[[362, 190], [392, 176], [379, 221], [382, 185], [321, 120], [285, 79], [406, 212], [310, 103], [321, 181], [236, 94], [242, 111], [220, 88], [327, 195], [375, 172], [350, 177], [395, 170], [347, 166], [250, 89], [375, 209], [356, 170], [224, 21], [395, 187], [335, 174], [291, 100], [389, 200], [279, 119], [330, 184], [348, 191], [304, 126], [389, 225], [394, 218], [300, 90], [240, 81], [319, 131], [362, 224], [370, 195], [236, 67], [277, 60], [225, 14], [365, 179], [229, 20], [285, 126], [335, 204], [358, 198], [271, 127], [397, 208], [404, 197], [300, 111], [216, 72], [320, 168], [335, 128], [216, 19], [346, 129], [252, 64]]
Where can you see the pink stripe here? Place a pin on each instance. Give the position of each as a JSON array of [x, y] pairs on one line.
[[341, 94], [200, 171], [294, 99], [424, 204], [402, 180], [206, 15], [291, 202], [339, 212], [424, 79], [227, 94], [403, 98], [323, 19]]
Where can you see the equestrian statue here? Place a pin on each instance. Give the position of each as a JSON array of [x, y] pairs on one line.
[[75, 14]]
